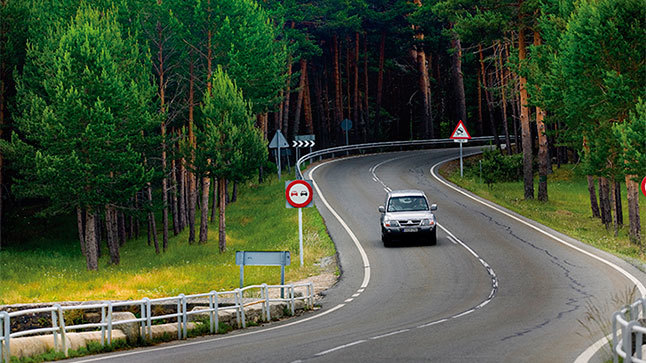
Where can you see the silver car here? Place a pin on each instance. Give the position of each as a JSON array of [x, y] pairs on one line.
[[408, 214]]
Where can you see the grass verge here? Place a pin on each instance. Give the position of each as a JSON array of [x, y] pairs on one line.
[[49, 266], [567, 211]]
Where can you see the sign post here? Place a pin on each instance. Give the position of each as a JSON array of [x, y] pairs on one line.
[[461, 135], [302, 141], [278, 142], [299, 194], [263, 258], [346, 125]]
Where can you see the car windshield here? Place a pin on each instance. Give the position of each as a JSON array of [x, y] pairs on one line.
[[407, 204]]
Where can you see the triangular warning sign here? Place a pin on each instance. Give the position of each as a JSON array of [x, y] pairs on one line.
[[460, 132], [278, 141]]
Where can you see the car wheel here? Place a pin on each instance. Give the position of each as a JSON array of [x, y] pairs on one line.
[[433, 240], [386, 241]]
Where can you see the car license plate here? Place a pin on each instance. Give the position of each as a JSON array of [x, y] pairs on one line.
[[410, 229]]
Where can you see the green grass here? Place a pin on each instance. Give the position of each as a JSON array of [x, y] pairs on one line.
[[567, 211], [44, 263]]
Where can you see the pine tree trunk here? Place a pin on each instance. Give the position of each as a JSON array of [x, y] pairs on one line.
[[488, 98], [2, 125], [307, 105], [338, 99], [366, 110], [152, 224], [604, 201], [480, 121], [162, 98], [288, 95], [528, 173], [348, 113], [618, 204], [380, 79], [458, 78], [81, 228], [593, 197], [137, 222], [632, 195], [97, 235], [234, 196], [222, 236], [503, 97], [174, 198], [543, 151], [112, 234], [214, 205], [192, 178], [355, 95], [204, 222], [299, 99], [121, 218], [91, 253], [183, 202]]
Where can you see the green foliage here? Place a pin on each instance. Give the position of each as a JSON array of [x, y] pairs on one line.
[[51, 267], [84, 97], [497, 167], [601, 63], [229, 145], [632, 139]]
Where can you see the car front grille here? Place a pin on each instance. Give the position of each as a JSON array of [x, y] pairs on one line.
[[409, 222]]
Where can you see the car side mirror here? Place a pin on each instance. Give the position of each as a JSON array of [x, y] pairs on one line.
[[433, 206], [382, 209]]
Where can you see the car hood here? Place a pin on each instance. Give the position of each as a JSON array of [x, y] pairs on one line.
[[409, 215]]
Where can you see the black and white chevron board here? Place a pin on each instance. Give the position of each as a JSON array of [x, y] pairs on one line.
[[303, 143]]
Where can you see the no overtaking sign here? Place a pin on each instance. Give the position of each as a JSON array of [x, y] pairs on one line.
[[298, 193]]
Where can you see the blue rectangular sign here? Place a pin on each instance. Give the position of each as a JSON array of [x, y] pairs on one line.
[[263, 258]]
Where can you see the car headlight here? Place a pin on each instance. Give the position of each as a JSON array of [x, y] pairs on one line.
[[427, 222], [391, 223]]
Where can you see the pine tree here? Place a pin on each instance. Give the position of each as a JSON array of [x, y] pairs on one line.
[[85, 98]]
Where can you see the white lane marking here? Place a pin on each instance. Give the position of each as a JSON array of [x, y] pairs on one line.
[[356, 295], [361, 290], [455, 240], [348, 300], [588, 353], [340, 347], [181, 345], [390, 334], [362, 252]]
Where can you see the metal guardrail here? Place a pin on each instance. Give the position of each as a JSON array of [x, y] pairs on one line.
[[629, 345], [107, 324], [379, 145]]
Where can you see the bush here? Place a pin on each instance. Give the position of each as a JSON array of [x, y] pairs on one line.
[[497, 167]]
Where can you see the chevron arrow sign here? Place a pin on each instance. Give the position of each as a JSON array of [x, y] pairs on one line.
[[303, 143]]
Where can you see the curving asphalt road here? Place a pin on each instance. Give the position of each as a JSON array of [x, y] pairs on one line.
[[494, 289]]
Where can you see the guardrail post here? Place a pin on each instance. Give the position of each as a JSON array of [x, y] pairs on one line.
[[615, 355], [311, 288], [291, 297], [109, 322], [54, 332], [184, 316], [5, 329], [178, 314], [142, 313], [103, 326], [149, 319], [265, 304], [628, 341], [242, 314], [211, 311], [61, 324]]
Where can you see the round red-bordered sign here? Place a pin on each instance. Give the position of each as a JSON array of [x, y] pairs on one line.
[[644, 186], [299, 193]]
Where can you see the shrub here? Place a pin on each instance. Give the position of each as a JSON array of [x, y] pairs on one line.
[[497, 167]]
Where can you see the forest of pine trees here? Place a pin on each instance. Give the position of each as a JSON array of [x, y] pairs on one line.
[[121, 111]]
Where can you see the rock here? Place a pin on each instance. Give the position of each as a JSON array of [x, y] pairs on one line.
[[131, 330]]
